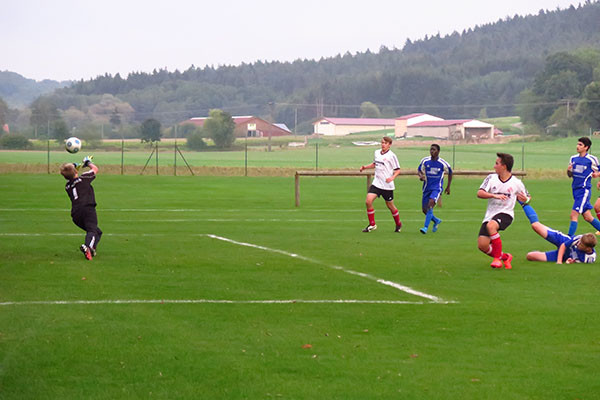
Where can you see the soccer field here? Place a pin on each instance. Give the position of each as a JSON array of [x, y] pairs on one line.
[[212, 287]]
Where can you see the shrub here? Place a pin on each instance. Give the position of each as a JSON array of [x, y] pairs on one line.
[[196, 142], [14, 141]]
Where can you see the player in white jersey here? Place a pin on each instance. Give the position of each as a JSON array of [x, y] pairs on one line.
[[387, 168], [500, 189]]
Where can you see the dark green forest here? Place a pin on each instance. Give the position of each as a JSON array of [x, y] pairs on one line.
[[496, 69]]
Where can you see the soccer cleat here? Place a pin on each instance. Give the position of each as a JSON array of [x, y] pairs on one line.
[[497, 263], [423, 230], [86, 251], [93, 251], [398, 227], [435, 225], [369, 228], [507, 262], [597, 232]]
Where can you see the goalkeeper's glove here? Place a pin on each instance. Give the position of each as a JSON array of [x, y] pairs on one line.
[[87, 160], [77, 166]]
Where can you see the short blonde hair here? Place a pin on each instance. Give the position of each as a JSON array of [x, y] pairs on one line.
[[68, 171], [589, 240]]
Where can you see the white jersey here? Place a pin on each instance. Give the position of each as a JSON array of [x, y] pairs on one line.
[[510, 188], [385, 164]]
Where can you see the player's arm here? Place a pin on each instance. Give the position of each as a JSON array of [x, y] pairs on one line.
[[87, 162], [394, 175], [561, 253], [370, 166], [482, 194], [570, 170], [447, 191]]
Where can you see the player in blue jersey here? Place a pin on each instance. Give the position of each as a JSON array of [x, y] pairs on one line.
[[431, 171], [582, 168], [577, 249]]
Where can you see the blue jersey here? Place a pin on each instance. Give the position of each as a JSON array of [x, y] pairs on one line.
[[583, 167], [557, 238], [434, 173]]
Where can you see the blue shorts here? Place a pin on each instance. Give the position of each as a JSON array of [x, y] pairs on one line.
[[581, 201], [430, 194], [556, 238]]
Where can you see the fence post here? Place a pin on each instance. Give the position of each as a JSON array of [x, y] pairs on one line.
[[157, 157]]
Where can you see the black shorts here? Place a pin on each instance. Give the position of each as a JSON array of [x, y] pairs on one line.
[[387, 195], [503, 220]]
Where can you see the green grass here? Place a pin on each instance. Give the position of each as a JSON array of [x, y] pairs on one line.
[[531, 332], [550, 155]]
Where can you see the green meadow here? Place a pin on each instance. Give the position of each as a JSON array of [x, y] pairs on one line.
[[219, 288], [323, 153]]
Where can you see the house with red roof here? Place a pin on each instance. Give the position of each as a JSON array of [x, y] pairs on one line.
[[345, 126], [248, 126], [452, 129]]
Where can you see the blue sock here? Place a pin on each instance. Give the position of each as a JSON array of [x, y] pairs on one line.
[[436, 220], [572, 228], [530, 214], [596, 224], [428, 217]]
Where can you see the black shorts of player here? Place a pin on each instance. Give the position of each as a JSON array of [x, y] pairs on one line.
[[387, 195], [503, 220]]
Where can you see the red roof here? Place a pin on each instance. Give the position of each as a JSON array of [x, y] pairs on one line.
[[445, 122], [359, 121], [409, 116]]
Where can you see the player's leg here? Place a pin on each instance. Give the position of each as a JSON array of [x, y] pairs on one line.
[[395, 214], [427, 210], [79, 220], [496, 243], [370, 210], [433, 202], [589, 217], [93, 233], [573, 223], [536, 256]]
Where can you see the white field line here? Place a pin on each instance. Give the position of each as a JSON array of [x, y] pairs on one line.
[[395, 285], [205, 301]]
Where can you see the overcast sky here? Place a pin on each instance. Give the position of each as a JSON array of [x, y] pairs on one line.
[[81, 39]]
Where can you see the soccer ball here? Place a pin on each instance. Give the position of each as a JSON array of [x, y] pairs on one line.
[[73, 145]]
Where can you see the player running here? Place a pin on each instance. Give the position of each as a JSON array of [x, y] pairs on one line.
[[431, 171], [577, 249], [582, 168], [83, 203], [500, 189], [387, 168]]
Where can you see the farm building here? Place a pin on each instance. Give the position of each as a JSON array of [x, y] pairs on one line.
[[249, 126], [345, 126], [453, 129]]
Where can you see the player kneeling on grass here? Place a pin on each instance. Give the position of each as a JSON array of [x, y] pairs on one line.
[[83, 203], [577, 249]]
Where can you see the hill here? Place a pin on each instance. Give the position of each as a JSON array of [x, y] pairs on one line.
[[19, 91]]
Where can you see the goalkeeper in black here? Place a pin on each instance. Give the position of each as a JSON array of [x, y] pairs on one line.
[[83, 203]]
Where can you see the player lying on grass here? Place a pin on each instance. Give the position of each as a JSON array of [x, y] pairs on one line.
[[576, 249], [83, 203]]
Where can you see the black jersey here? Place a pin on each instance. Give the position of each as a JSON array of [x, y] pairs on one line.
[[81, 192]]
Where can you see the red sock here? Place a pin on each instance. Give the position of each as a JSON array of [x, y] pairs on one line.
[[598, 215], [371, 215], [496, 246], [396, 216]]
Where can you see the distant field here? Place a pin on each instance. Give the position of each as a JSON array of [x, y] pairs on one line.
[[208, 287], [547, 155]]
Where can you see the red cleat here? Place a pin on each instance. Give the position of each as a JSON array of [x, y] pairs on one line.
[[86, 251], [507, 262], [497, 263]]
